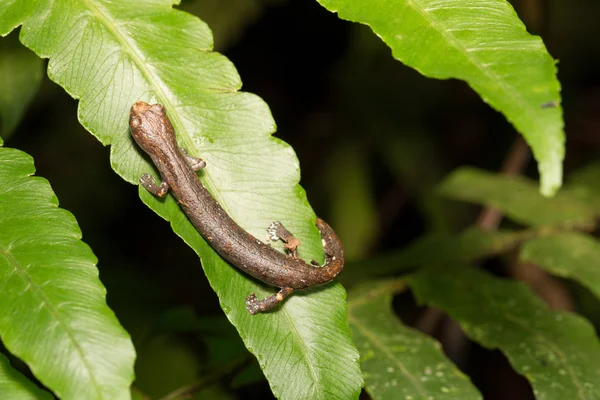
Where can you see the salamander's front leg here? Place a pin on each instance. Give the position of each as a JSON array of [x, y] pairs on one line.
[[195, 163], [255, 306], [148, 182], [278, 232]]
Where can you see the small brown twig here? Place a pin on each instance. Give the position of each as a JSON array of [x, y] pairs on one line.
[[489, 219]]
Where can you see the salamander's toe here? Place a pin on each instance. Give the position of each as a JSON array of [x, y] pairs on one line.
[[252, 304]]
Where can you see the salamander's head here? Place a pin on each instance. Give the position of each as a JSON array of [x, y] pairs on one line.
[[150, 127]]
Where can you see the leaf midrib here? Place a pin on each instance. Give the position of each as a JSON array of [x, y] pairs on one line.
[[129, 47], [301, 343], [475, 61], [152, 79], [49, 306]]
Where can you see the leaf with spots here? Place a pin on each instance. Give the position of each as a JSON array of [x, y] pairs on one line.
[[558, 352], [399, 362], [485, 44], [53, 312], [110, 54]]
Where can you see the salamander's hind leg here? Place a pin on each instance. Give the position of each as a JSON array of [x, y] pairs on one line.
[[195, 163], [148, 182], [255, 306], [278, 232]]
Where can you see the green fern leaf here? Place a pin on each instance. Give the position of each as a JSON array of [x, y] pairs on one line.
[[485, 44], [110, 54], [558, 352], [400, 362], [53, 312]]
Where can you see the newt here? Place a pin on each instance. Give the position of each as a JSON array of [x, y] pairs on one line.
[[153, 132]]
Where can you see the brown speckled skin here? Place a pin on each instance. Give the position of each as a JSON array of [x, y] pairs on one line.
[[154, 133]]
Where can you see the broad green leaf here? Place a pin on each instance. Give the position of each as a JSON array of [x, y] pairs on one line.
[[399, 362], [20, 77], [569, 255], [112, 53], [306, 335], [517, 197], [15, 386], [53, 312], [558, 352], [14, 12], [469, 245], [351, 196], [486, 45]]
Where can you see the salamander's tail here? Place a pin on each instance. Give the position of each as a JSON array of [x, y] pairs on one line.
[[334, 251]]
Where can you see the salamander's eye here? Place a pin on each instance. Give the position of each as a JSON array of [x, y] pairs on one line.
[[135, 122], [157, 107]]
